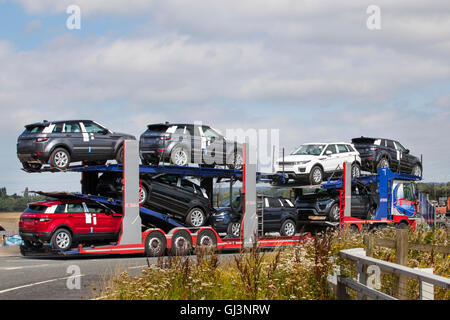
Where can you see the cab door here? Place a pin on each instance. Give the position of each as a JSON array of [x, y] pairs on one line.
[[330, 158], [74, 137], [80, 220]]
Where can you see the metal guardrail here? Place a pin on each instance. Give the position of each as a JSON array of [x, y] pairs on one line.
[[340, 282]]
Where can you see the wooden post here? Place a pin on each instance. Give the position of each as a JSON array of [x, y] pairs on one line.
[[401, 257], [369, 243]]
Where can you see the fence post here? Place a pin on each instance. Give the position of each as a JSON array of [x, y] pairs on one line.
[[401, 257]]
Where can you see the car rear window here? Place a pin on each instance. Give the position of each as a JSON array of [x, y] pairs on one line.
[[36, 209], [363, 141], [33, 129], [156, 129]]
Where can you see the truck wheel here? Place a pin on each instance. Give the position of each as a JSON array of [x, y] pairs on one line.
[[60, 159], [288, 228], [196, 217], [155, 244], [181, 243], [316, 175], [62, 240], [206, 239], [335, 213]]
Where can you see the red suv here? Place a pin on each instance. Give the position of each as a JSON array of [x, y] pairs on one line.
[[63, 223]]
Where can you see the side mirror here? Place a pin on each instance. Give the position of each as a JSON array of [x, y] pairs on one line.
[[407, 151], [328, 152], [104, 132]]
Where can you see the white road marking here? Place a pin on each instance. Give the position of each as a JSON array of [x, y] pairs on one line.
[[138, 267], [25, 267], [38, 283]]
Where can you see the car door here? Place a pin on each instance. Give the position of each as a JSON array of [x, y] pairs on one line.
[[405, 161], [394, 154], [330, 161], [101, 145], [105, 221], [215, 146], [272, 214], [357, 202], [345, 155], [75, 138], [82, 223], [162, 195]]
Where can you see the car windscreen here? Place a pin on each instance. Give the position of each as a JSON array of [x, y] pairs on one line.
[[310, 149], [36, 209]]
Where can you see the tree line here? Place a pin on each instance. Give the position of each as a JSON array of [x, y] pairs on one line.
[[15, 202]]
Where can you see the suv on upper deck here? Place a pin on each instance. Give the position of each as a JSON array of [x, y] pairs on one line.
[[181, 144], [315, 161], [386, 153], [61, 142]]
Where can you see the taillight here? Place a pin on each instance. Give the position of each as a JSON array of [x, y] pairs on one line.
[[41, 139], [165, 137], [374, 149]]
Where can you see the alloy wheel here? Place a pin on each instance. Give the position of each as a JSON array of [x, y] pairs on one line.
[[197, 218], [63, 240], [61, 159], [317, 176], [335, 213], [236, 229], [180, 157], [289, 229]]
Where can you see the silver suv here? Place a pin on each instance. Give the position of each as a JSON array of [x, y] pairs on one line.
[[59, 143]]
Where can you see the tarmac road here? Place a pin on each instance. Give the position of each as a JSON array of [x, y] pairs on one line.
[[23, 278]]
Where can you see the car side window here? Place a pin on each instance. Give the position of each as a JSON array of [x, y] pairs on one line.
[[95, 208], [92, 127], [390, 144], [170, 180], [332, 148], [188, 186], [287, 203], [72, 127], [75, 208], [342, 148], [274, 203], [399, 147], [355, 191], [60, 208], [58, 128]]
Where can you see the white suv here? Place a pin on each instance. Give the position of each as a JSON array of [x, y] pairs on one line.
[[315, 161]]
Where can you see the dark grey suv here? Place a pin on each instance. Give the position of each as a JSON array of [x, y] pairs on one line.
[[181, 144], [59, 143]]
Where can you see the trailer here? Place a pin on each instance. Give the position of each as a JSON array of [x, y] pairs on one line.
[[397, 202], [168, 234]]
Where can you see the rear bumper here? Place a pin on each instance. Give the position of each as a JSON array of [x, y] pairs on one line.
[[27, 235], [41, 158]]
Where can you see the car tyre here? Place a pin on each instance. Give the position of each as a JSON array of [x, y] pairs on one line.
[[60, 159], [155, 244], [356, 170], [62, 240], [417, 170], [119, 155], [196, 217], [143, 194], [335, 213], [316, 175], [383, 163], [288, 228], [234, 229], [179, 156]]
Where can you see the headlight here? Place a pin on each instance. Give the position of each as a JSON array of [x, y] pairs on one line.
[[302, 162], [220, 214]]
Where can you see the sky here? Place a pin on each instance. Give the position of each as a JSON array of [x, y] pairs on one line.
[[311, 69]]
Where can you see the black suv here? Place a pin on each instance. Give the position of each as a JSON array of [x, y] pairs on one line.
[[279, 216], [322, 205], [164, 193], [61, 142], [181, 144], [386, 153]]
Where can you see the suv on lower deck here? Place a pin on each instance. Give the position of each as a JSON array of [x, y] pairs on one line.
[[181, 144], [276, 214], [164, 193], [314, 162], [61, 142], [64, 223], [386, 153], [323, 205]]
